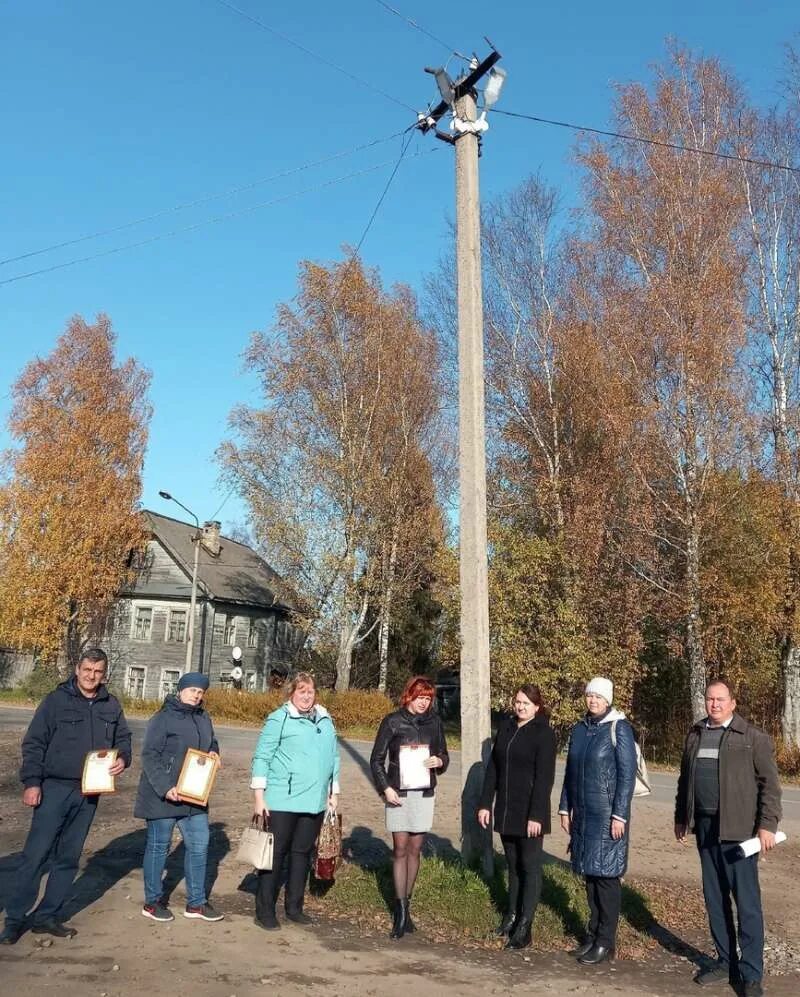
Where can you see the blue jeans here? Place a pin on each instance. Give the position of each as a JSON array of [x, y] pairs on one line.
[[194, 831], [58, 831]]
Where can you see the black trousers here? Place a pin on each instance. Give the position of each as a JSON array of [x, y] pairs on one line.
[[604, 894], [294, 836], [524, 857], [727, 875]]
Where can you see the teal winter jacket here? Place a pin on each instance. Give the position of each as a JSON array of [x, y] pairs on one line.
[[297, 760]]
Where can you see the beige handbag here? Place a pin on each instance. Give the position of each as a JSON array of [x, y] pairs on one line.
[[257, 844]]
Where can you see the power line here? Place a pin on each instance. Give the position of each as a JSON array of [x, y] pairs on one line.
[[210, 221], [419, 27], [315, 55], [205, 199], [730, 157]]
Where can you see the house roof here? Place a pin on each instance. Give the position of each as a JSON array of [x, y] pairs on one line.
[[237, 574]]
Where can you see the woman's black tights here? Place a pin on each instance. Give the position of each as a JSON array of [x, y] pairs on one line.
[[405, 861], [524, 857]]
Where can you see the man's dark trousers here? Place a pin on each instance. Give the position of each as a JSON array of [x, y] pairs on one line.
[[58, 832], [726, 874]]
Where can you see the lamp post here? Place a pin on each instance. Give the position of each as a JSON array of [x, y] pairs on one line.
[[193, 598]]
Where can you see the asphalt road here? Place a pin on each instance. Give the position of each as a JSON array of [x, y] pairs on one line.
[[356, 754]]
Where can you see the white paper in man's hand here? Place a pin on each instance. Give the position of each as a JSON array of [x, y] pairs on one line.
[[753, 845]]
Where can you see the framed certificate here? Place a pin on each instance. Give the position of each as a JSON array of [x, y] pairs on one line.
[[413, 774], [197, 777], [96, 778]]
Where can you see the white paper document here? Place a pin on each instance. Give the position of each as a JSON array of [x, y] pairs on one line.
[[413, 774], [753, 845], [96, 776]]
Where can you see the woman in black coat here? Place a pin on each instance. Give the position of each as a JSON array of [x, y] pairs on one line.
[[519, 779], [409, 807], [180, 724]]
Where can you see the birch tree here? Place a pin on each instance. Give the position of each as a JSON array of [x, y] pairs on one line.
[[70, 492], [331, 465], [669, 225], [773, 213]]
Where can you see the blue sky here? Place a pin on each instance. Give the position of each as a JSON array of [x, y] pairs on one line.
[[112, 112]]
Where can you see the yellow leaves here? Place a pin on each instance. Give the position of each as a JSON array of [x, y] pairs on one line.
[[67, 513]]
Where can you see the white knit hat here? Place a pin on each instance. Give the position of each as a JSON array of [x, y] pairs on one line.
[[602, 687]]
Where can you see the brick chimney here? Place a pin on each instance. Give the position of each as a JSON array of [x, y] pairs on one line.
[[210, 537]]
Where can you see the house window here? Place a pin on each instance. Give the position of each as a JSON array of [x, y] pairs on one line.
[[169, 682], [225, 679], [252, 634], [230, 630], [176, 628], [142, 622], [134, 682]]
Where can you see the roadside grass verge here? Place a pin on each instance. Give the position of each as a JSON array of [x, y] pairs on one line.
[[453, 903]]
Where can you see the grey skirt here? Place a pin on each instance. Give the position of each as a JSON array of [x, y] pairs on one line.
[[415, 816]]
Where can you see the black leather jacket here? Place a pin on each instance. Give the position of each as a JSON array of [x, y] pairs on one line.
[[401, 728]]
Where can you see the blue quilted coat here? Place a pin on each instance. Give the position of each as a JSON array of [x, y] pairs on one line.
[[598, 783]]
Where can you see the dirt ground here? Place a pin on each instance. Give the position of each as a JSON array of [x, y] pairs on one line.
[[118, 953]]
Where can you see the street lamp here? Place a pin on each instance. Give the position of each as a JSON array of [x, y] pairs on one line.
[[193, 599]]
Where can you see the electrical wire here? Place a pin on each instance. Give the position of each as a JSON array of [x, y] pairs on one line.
[[730, 157], [418, 27], [212, 221], [315, 55], [205, 199]]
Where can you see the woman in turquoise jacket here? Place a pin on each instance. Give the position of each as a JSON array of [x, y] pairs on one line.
[[295, 778]]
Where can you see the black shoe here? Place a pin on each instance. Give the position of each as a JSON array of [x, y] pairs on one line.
[[521, 936], [718, 973], [410, 926], [11, 934], [268, 922], [507, 925], [54, 928], [596, 955], [752, 988], [298, 917], [399, 919], [587, 946]]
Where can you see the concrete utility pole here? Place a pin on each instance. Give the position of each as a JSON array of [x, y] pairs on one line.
[[459, 97], [473, 565]]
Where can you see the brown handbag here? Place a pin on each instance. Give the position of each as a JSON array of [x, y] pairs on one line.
[[329, 846]]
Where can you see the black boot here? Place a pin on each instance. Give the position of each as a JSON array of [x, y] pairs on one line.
[[507, 924], [399, 919], [582, 949], [596, 955], [410, 926], [521, 936]]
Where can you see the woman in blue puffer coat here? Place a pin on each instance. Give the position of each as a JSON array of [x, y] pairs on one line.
[[595, 811]]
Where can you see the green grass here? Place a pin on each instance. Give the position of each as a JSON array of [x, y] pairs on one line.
[[454, 903]]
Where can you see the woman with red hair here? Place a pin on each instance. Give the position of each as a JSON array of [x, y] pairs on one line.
[[409, 750]]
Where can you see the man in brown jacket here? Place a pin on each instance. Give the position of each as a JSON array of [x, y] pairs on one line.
[[728, 791]]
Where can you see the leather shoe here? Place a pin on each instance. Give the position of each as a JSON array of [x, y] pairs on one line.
[[54, 928], [521, 936], [718, 973], [507, 925], [587, 946], [11, 934], [596, 955], [752, 988], [269, 922], [298, 917]]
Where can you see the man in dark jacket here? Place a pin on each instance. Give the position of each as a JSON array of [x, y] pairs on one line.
[[79, 716], [728, 791]]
